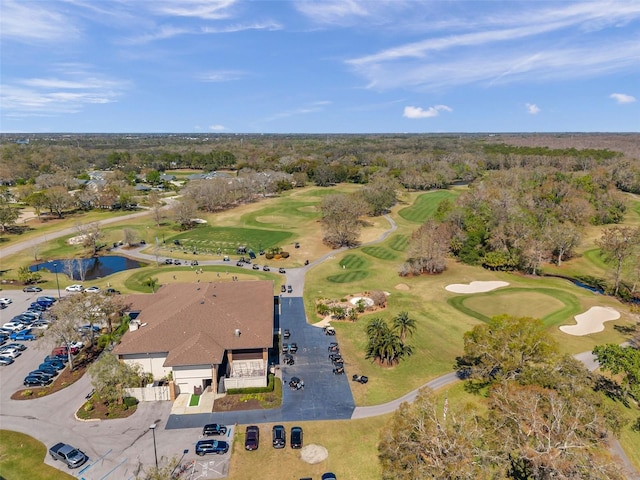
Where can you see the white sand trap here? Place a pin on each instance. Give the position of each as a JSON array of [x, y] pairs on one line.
[[367, 301], [314, 454], [402, 286], [475, 287], [591, 321]]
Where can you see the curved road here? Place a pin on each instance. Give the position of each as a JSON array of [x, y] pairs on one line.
[[16, 415]]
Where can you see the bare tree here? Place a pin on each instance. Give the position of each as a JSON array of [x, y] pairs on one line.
[[58, 200], [91, 235], [184, 213], [340, 217], [129, 236], [428, 249], [563, 238], [619, 245], [155, 203]]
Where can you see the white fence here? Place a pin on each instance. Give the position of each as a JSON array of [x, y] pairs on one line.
[[245, 382], [149, 394]]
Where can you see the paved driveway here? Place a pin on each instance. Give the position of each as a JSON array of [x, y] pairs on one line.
[[326, 396]]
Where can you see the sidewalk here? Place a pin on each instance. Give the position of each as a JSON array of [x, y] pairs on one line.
[[181, 404]]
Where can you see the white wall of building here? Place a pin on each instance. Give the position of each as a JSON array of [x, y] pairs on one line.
[[185, 378], [151, 363]]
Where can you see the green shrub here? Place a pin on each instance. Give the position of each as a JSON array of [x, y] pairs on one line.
[[268, 256], [88, 406], [130, 402], [27, 393], [250, 390]]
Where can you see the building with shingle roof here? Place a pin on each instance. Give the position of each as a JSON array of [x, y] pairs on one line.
[[202, 334]]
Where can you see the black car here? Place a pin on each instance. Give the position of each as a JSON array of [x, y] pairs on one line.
[[48, 368], [112, 291], [252, 439], [62, 358], [31, 381], [31, 289], [214, 429], [293, 347], [278, 436], [289, 289], [329, 476], [168, 261], [41, 374], [296, 437], [57, 364], [37, 307], [211, 446], [177, 262]]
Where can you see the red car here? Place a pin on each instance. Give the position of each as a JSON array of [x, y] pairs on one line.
[[252, 440]]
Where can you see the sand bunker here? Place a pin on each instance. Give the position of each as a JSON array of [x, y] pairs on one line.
[[402, 286], [591, 321], [475, 287], [314, 454], [367, 301]]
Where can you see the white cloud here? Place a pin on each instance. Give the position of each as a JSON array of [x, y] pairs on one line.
[[221, 76], [217, 128], [69, 92], [419, 112], [532, 108], [310, 108], [35, 22], [622, 98], [499, 49], [204, 9]]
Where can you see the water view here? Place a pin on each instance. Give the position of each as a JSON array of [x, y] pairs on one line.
[[94, 267]]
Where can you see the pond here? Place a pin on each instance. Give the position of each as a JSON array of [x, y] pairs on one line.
[[94, 267]]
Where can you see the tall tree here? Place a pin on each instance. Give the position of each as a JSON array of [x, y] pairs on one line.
[[422, 441], [428, 249], [58, 200], [91, 234], [109, 377], [504, 346], [184, 212], [155, 203], [623, 361], [8, 213], [340, 218], [404, 325], [619, 245]]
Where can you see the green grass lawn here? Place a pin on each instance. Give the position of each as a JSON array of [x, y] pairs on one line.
[[425, 205], [209, 239], [194, 401], [21, 456]]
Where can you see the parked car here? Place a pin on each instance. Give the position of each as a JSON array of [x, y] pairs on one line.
[[211, 446], [41, 374], [92, 289], [329, 476], [112, 291], [69, 455], [48, 368], [77, 344], [62, 358], [23, 336], [278, 436], [38, 307], [252, 438], [214, 429], [31, 381], [296, 437], [256, 266], [329, 331], [289, 289], [13, 326], [266, 268], [74, 288], [333, 347], [17, 346], [31, 289], [4, 361], [285, 348], [177, 262], [282, 270], [168, 261], [57, 364], [40, 324], [9, 352], [293, 347], [240, 264], [283, 288], [286, 333], [47, 298], [5, 301]]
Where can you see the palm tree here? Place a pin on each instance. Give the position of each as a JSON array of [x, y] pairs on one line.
[[404, 325]]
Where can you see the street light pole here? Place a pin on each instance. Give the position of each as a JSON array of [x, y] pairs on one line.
[[55, 267], [155, 451]]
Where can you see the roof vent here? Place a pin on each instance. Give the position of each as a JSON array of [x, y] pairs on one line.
[[238, 332]]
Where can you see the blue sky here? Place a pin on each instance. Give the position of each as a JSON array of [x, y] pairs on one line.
[[349, 66]]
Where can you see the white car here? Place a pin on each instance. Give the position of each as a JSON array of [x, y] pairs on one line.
[[10, 352], [92, 290], [79, 345], [6, 301], [13, 326], [74, 288]]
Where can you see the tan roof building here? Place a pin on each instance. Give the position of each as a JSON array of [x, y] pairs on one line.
[[201, 331]]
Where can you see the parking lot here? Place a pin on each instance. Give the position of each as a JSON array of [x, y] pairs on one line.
[[117, 449]]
